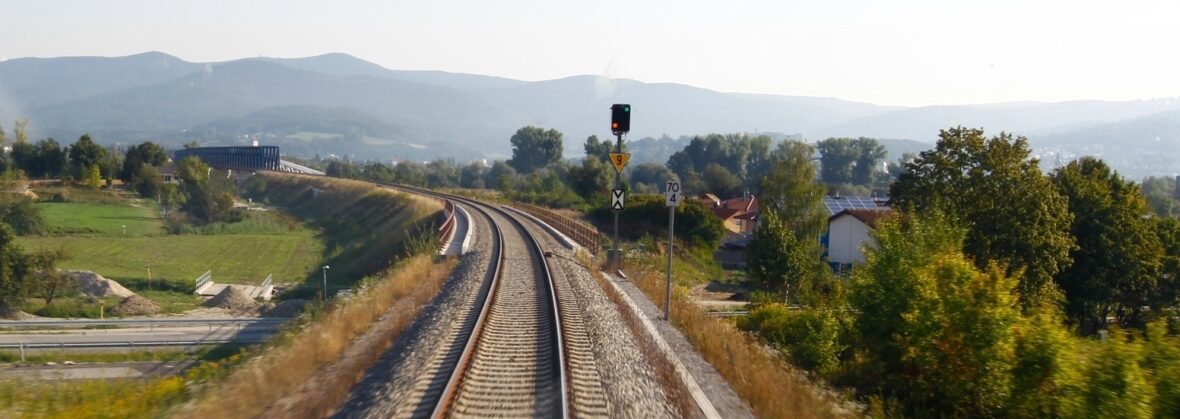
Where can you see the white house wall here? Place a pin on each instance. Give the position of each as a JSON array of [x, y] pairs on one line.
[[846, 234]]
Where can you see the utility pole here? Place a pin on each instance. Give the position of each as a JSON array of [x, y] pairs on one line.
[[615, 259]]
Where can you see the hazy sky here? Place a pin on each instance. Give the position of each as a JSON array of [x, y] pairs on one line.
[[910, 52]]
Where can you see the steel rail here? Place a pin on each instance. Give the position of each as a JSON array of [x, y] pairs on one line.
[[449, 396]]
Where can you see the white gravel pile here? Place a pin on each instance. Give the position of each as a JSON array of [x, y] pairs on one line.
[[95, 285], [135, 306], [231, 298]]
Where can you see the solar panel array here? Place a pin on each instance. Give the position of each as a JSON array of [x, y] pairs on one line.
[[842, 203]]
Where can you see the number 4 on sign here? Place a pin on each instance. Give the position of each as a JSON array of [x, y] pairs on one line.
[[672, 193]]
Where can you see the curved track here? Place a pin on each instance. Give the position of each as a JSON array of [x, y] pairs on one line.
[[514, 360]]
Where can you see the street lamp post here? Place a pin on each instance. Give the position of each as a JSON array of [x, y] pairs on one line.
[[325, 295]]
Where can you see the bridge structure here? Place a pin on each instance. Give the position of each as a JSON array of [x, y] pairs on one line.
[[244, 158]]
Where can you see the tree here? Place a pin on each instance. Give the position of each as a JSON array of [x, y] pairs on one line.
[[779, 261], [600, 150], [49, 160], [870, 154], [501, 176], [410, 173], [341, 169], [472, 176], [837, 157], [13, 272], [1167, 290], [1046, 381], [20, 130], [592, 180], [1161, 196], [94, 177], [378, 172], [935, 330], [650, 174], [442, 174], [204, 200], [84, 154], [1116, 386], [744, 156], [1015, 216], [148, 153], [791, 191], [534, 148], [1117, 255], [720, 181], [46, 279], [147, 181]]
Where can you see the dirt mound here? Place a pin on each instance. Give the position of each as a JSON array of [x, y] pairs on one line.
[[135, 306], [288, 308], [10, 314], [95, 285], [231, 298]]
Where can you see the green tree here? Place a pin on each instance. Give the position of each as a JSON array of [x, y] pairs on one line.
[[49, 160], [592, 180], [94, 177], [84, 154], [342, 169], [936, 331], [204, 200], [600, 149], [147, 181], [378, 172], [1046, 381], [779, 261], [472, 176], [148, 153], [1116, 387], [534, 148], [1161, 196], [1015, 216], [501, 176], [1117, 255], [791, 191], [720, 181], [13, 273], [837, 157], [442, 174], [1167, 290], [20, 130], [410, 173], [1161, 356], [45, 278]]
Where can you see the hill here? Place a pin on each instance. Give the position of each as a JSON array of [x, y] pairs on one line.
[[340, 104]]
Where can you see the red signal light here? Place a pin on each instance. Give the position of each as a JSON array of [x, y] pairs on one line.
[[614, 125]]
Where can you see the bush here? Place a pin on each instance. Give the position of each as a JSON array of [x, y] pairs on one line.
[[808, 337], [647, 215]]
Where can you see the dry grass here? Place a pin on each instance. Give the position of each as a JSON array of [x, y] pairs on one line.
[[767, 383], [290, 364]]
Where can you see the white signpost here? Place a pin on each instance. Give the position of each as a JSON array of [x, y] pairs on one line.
[[671, 199]]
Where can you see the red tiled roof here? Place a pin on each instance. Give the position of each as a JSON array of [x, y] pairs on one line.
[[744, 204], [869, 217], [725, 213]]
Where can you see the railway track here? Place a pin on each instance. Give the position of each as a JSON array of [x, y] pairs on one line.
[[514, 359]]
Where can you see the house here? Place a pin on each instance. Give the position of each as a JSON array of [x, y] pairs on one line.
[[168, 174], [848, 233], [739, 215]]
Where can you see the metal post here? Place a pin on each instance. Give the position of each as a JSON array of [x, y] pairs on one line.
[[615, 257], [325, 290], [668, 284]]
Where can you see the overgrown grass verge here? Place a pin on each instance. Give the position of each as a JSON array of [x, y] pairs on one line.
[[766, 382], [204, 353], [296, 358], [364, 227]]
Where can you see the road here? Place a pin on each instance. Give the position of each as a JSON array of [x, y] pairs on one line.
[[130, 336]]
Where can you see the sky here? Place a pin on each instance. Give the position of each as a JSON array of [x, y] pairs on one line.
[[902, 52]]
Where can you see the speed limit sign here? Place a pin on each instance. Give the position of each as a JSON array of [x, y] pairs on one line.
[[672, 193]]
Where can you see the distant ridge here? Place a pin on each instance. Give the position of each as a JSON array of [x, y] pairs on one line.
[[342, 104]]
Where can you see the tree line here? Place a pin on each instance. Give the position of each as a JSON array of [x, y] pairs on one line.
[[984, 291]]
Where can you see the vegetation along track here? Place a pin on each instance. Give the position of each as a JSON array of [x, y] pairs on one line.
[[516, 359]]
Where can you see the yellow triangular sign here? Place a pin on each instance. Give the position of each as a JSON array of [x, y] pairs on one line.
[[619, 160]]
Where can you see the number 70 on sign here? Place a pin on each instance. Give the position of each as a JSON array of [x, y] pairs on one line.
[[671, 193]]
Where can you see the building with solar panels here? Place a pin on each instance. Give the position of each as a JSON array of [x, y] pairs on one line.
[[850, 218]]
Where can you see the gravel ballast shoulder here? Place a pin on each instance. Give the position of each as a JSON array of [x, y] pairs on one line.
[[632, 387]]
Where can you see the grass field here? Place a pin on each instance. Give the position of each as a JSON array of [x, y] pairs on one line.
[[179, 259], [69, 218]]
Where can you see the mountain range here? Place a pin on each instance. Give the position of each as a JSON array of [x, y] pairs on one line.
[[342, 105]]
